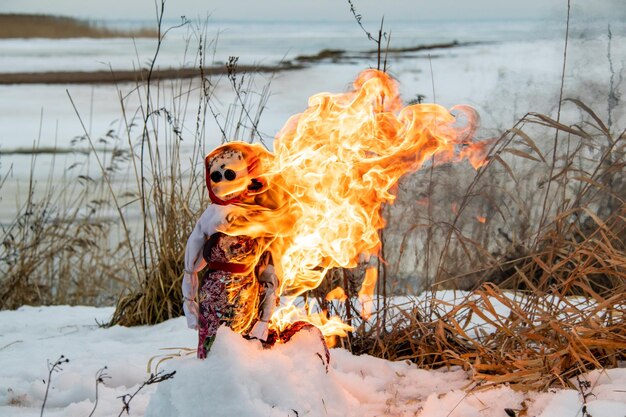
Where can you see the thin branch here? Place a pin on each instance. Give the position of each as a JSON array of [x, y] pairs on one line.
[[231, 68], [432, 77], [101, 375], [358, 19], [110, 187], [556, 134], [52, 367], [153, 379]]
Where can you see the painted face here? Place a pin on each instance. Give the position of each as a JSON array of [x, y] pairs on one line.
[[228, 173]]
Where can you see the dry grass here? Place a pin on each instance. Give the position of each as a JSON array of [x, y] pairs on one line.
[[57, 248], [59, 27], [547, 307], [172, 199], [78, 242], [115, 231]]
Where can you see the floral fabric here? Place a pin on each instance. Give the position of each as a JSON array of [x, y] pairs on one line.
[[216, 305]]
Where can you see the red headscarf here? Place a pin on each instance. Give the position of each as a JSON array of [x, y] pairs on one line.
[[256, 157]]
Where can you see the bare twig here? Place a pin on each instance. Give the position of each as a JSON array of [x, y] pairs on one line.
[[108, 182], [52, 367], [101, 375], [545, 210], [377, 40], [237, 84], [153, 379]]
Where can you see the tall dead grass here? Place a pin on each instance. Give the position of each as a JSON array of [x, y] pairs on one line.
[[172, 197], [92, 237], [115, 231], [57, 249], [546, 306]]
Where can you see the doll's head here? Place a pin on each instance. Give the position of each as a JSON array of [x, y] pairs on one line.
[[234, 172]]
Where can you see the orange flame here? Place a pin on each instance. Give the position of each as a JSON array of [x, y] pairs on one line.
[[334, 166], [481, 219], [366, 293], [337, 294]]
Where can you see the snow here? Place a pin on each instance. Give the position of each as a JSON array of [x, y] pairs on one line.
[[240, 378]]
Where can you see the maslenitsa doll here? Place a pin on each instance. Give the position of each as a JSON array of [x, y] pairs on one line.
[[238, 287]]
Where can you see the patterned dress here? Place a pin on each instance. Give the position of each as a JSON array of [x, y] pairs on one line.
[[226, 294]]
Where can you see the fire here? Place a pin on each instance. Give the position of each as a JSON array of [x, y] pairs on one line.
[[333, 168], [337, 294], [366, 294]]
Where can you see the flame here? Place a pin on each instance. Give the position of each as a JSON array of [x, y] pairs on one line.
[[366, 293], [476, 153], [337, 294], [334, 166], [481, 219], [329, 326]]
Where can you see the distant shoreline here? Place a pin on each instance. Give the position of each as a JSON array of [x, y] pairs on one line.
[[302, 61], [110, 77], [26, 26]]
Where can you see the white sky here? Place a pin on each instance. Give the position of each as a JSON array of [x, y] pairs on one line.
[[302, 10]]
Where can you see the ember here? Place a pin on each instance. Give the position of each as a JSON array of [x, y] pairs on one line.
[[333, 168]]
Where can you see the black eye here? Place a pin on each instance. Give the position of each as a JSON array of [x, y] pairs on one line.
[[230, 175], [216, 176]]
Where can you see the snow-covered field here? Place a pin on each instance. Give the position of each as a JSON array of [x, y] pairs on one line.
[[239, 378]]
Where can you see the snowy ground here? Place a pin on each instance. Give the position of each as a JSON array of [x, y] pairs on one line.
[[239, 378]]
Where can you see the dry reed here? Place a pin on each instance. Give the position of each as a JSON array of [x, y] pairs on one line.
[[551, 305]]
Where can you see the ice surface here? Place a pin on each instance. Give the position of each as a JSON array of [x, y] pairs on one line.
[[516, 70], [253, 42]]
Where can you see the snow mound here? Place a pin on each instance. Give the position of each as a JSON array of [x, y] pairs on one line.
[[241, 378]]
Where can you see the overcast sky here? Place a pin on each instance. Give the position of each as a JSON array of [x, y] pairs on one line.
[[316, 9]]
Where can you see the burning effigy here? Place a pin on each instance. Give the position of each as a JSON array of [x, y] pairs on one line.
[[281, 220]]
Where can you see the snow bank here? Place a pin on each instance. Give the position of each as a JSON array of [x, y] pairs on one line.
[[239, 378]]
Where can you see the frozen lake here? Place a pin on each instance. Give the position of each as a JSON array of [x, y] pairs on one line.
[[515, 69]]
